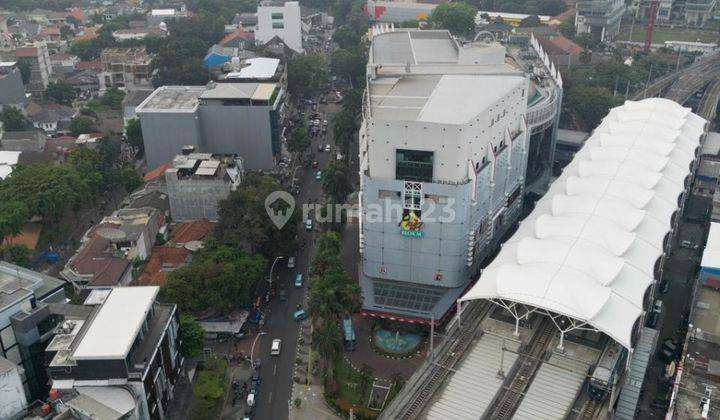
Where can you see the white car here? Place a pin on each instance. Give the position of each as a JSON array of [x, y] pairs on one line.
[[657, 306], [308, 224], [291, 262], [327, 147], [275, 349]]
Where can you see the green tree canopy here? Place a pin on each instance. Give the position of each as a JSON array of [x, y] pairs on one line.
[[245, 224], [336, 182], [13, 217], [305, 75], [530, 21], [81, 125], [61, 93], [346, 37], [299, 140], [113, 98], [12, 119], [192, 336], [133, 131], [456, 17], [220, 277]]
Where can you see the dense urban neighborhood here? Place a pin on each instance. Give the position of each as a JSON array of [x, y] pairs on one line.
[[373, 209]]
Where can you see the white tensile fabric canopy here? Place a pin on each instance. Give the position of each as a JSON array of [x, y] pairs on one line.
[[589, 248]]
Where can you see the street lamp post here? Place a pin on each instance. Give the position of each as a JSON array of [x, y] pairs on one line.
[[252, 349], [270, 279]]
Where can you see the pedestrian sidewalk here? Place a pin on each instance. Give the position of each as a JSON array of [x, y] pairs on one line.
[[313, 406]]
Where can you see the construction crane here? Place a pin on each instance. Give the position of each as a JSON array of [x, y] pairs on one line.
[[652, 14]]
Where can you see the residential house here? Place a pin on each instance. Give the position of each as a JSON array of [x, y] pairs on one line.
[[109, 248], [137, 34], [125, 356], [239, 38], [12, 91], [63, 63], [255, 69], [23, 291], [185, 239], [245, 21], [51, 36], [23, 141], [8, 160], [218, 55], [37, 57], [125, 67], [51, 118], [85, 82], [158, 16]]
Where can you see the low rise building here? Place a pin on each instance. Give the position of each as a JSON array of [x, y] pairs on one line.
[[158, 16], [37, 57], [197, 182], [125, 356], [63, 63], [281, 19], [12, 91], [599, 18], [241, 119], [23, 141], [699, 12], [125, 67], [239, 38], [130, 102], [51, 118], [109, 248]]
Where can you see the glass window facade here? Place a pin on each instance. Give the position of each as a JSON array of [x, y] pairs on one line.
[[276, 15], [278, 25], [410, 297], [414, 165]]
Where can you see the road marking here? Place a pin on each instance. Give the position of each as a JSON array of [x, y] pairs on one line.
[[274, 369], [270, 399]]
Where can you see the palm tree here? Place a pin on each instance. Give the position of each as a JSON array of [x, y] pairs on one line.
[[327, 339]]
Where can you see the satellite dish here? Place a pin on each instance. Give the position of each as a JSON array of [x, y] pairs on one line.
[[111, 234], [485, 37]]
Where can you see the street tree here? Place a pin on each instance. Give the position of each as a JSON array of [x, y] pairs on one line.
[[456, 17], [349, 64], [244, 222], [305, 75], [113, 98], [12, 119], [327, 339], [336, 182], [346, 37], [299, 140], [192, 336], [61, 93], [345, 129]]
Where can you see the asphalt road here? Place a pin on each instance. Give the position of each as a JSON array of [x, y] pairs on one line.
[[276, 372]]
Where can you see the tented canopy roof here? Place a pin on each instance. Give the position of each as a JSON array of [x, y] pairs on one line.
[[589, 248]]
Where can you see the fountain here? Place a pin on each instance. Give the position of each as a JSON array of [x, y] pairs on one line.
[[397, 343]]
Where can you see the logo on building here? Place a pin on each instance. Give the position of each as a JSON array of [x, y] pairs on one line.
[[411, 225]]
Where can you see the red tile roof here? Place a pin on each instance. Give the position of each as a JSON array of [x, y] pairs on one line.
[[94, 259], [196, 230], [26, 52], [157, 173], [162, 260], [50, 30], [559, 45], [562, 17], [238, 34], [77, 14], [89, 65]]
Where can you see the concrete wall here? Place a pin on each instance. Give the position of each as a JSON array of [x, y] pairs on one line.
[[291, 33], [12, 91], [243, 130], [193, 199], [12, 397], [165, 133]]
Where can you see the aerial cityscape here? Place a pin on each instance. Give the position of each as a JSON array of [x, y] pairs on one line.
[[359, 209]]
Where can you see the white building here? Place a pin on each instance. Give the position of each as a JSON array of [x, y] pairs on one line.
[[599, 18], [443, 153], [281, 20], [12, 396]]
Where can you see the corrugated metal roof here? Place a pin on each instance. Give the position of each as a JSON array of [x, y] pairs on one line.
[[472, 388], [553, 391], [630, 393]]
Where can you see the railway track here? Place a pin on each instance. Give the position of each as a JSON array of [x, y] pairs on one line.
[[528, 365], [708, 105], [439, 370]]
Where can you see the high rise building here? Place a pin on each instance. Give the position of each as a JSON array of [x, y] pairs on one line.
[[444, 145]]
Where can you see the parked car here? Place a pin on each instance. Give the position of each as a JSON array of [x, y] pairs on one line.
[[308, 224], [652, 319], [283, 295], [657, 306], [318, 176], [327, 147], [315, 165], [291, 262], [664, 286], [300, 315], [299, 280]]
